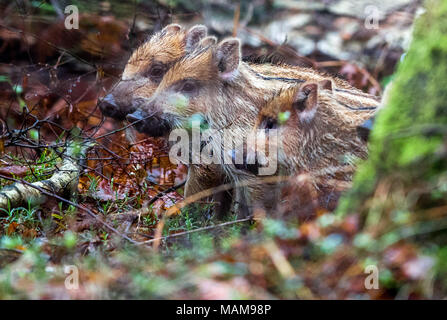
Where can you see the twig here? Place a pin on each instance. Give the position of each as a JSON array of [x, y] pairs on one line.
[[89, 212], [276, 45], [196, 230], [224, 187], [371, 79], [162, 193], [237, 13]]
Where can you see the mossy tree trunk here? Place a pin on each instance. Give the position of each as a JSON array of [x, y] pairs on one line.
[[406, 169]]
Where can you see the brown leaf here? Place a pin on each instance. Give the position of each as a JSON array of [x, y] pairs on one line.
[[14, 171], [12, 227]]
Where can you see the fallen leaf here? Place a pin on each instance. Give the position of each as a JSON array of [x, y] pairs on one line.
[[14, 171]]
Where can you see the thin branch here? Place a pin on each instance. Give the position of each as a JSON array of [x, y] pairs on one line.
[[197, 230], [162, 193], [88, 211]]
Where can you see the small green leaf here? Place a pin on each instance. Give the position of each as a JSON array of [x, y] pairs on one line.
[[283, 117], [18, 89], [70, 239], [34, 134]]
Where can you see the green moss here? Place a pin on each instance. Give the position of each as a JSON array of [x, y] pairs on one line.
[[410, 131]]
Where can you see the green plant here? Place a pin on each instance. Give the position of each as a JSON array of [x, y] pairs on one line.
[[20, 216]]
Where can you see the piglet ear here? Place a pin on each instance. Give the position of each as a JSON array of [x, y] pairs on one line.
[[306, 101], [326, 85], [171, 28], [194, 36], [228, 57], [208, 41]]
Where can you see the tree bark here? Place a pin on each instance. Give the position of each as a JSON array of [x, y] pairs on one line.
[[408, 146]]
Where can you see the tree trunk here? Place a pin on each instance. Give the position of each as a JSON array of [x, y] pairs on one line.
[[406, 169]]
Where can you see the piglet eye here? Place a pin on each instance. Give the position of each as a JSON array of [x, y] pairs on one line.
[[156, 71], [270, 123], [188, 87]]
